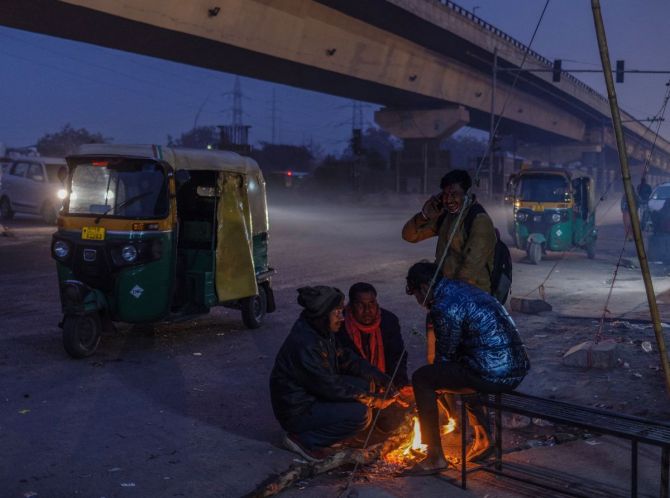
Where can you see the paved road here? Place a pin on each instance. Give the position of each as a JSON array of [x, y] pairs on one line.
[[186, 412]]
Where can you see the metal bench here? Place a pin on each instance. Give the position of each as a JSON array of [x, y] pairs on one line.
[[636, 430]]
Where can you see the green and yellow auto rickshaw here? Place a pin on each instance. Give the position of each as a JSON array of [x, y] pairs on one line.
[[150, 234], [553, 212]]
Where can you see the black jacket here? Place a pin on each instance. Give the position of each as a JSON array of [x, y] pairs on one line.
[[394, 347], [310, 367]]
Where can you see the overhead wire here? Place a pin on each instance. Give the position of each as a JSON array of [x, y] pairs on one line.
[[468, 200]]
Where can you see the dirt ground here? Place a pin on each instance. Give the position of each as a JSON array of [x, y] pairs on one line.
[[186, 412]]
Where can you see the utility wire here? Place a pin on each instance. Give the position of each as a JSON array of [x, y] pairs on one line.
[[468, 199]]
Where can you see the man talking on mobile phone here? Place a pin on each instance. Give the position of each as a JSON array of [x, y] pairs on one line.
[[469, 258]]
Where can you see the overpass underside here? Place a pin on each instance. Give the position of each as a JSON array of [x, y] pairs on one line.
[[377, 51], [301, 43]]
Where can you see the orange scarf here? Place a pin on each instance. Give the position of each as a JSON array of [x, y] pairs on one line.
[[355, 329]]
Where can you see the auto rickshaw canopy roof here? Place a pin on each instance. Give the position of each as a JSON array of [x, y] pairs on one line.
[[179, 159]]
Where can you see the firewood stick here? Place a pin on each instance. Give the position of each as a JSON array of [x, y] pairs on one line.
[[299, 471]]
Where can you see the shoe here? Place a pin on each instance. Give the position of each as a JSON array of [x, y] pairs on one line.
[[292, 443]]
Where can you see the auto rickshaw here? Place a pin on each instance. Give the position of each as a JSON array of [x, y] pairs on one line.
[[149, 234], [553, 212]]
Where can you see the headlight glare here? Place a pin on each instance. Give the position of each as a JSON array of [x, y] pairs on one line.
[[61, 194], [129, 253], [61, 249]]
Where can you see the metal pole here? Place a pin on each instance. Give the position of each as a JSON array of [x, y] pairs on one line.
[[425, 168], [628, 187], [493, 120]]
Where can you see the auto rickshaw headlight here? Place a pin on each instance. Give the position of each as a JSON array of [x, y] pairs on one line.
[[129, 253], [61, 249], [556, 217], [521, 217], [61, 194]]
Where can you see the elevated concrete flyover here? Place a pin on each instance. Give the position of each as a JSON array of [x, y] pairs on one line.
[[405, 55]]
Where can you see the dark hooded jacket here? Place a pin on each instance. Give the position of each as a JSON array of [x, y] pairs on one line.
[[473, 328], [311, 367]]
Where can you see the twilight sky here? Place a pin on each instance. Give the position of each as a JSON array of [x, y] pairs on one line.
[[47, 82]]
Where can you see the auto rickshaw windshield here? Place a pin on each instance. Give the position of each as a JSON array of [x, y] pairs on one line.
[[120, 189], [543, 188]]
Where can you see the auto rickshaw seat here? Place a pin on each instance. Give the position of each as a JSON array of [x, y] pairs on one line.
[[197, 231]]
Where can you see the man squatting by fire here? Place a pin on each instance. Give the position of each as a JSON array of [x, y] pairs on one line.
[[374, 333], [322, 393]]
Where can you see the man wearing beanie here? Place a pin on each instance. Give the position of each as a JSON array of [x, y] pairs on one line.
[[322, 393]]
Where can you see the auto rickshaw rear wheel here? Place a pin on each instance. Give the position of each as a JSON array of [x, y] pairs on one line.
[[254, 308], [81, 334], [534, 251]]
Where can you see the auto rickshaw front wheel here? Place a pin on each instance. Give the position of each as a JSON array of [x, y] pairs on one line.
[[534, 251], [81, 334], [254, 308]]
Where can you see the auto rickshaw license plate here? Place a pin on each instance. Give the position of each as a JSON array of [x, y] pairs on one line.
[[93, 233]]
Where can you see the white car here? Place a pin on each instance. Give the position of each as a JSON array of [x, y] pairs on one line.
[[33, 185], [658, 196]]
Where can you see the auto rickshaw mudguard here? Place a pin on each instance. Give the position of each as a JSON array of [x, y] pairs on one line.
[[536, 238], [78, 298]]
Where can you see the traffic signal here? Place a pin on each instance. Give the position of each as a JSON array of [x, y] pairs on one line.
[[619, 71], [556, 72]]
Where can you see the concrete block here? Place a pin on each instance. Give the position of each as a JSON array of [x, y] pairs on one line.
[[515, 421], [529, 306], [589, 355]]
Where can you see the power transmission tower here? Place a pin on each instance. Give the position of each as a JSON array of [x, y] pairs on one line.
[[235, 136]]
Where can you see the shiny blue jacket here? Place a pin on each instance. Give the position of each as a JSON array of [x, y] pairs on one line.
[[473, 328]]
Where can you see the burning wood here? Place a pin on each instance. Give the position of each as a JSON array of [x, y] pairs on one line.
[[400, 449], [300, 471]]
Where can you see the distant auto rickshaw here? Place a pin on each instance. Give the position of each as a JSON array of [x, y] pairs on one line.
[[150, 234], [553, 212]]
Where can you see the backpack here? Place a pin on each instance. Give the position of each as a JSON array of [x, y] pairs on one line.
[[501, 273]]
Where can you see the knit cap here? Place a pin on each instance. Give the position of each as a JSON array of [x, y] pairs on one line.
[[319, 300]]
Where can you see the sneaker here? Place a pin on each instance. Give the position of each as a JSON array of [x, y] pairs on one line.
[[292, 443]]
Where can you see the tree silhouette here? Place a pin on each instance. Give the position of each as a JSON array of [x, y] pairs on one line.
[[66, 141]]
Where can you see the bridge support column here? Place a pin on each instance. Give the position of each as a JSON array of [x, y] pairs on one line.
[[421, 163]]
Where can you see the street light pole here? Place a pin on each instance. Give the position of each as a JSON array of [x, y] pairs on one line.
[[493, 120]]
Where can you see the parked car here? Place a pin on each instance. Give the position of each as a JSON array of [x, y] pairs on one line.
[[33, 185], [658, 197]]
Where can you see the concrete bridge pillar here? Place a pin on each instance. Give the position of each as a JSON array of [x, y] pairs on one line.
[[421, 163]]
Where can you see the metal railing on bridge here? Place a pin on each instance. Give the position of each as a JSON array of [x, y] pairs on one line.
[[520, 45]]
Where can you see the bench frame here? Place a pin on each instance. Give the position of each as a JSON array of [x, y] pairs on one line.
[[635, 429]]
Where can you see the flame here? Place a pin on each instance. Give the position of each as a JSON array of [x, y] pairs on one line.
[[450, 427], [412, 446], [416, 438]]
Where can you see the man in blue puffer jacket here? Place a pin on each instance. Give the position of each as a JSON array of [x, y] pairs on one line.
[[478, 348]]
